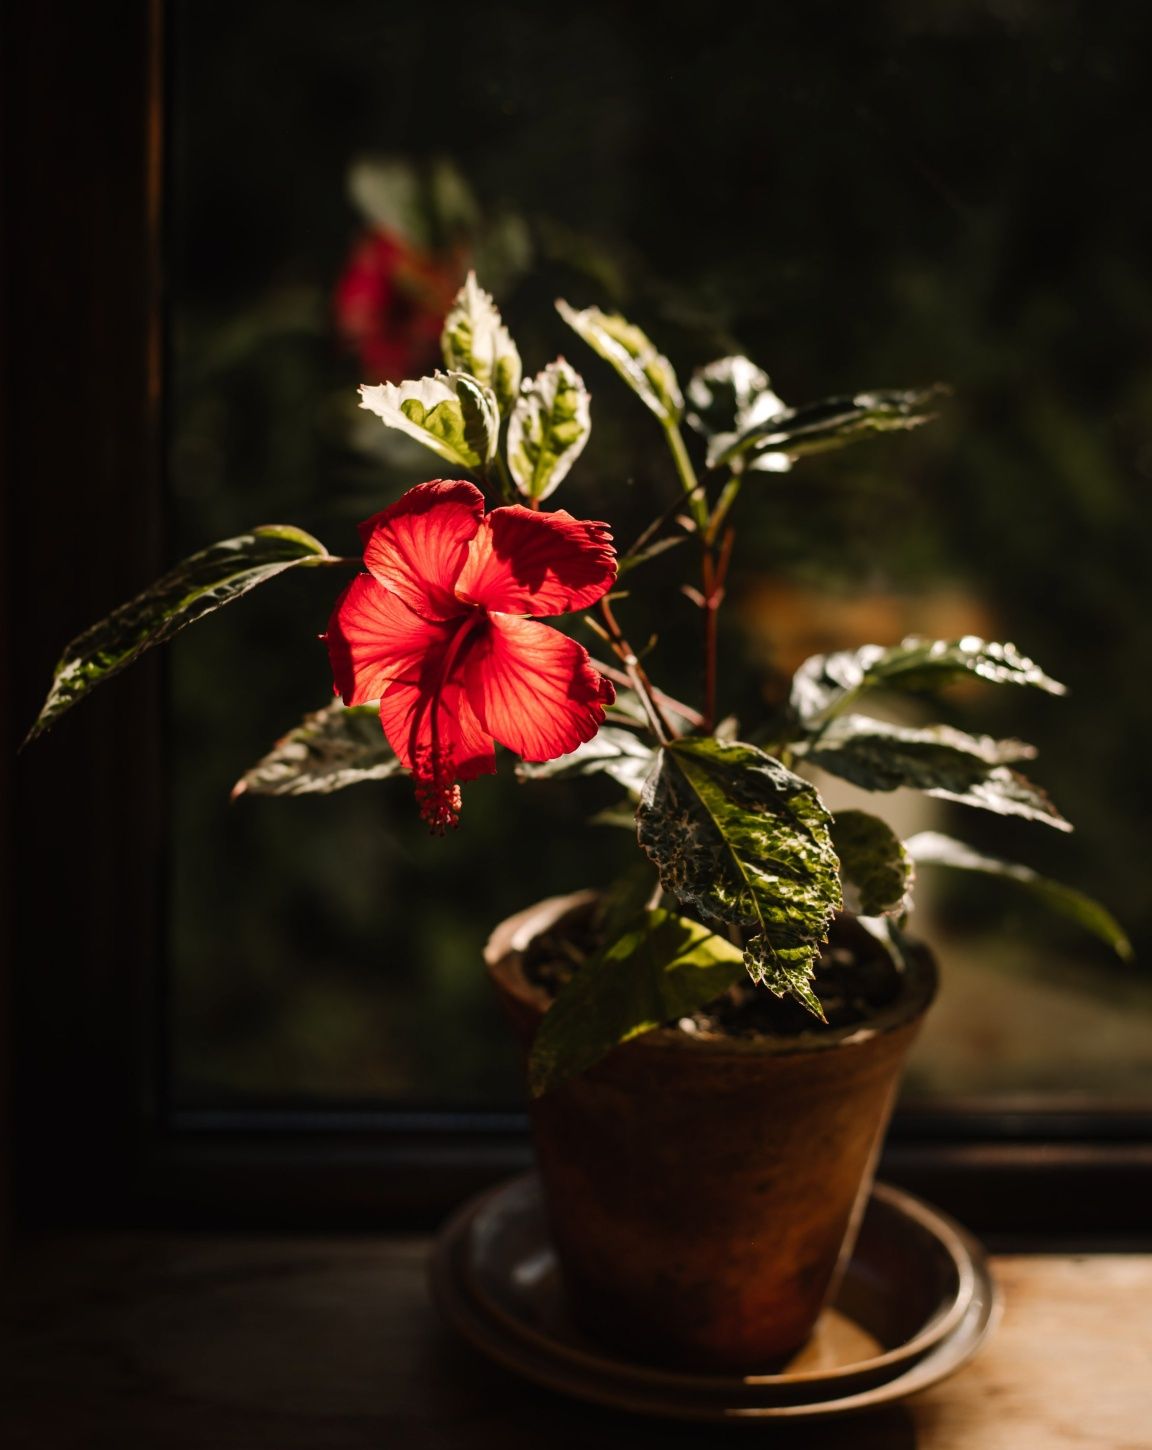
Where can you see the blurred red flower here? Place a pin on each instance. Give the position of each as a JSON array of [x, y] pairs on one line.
[[436, 631], [391, 301]]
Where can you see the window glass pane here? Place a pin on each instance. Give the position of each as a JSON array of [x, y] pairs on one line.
[[943, 192]]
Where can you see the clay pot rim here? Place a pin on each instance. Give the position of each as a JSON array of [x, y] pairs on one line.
[[503, 956]]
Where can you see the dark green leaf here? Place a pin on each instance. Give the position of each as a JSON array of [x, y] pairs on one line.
[[328, 750], [665, 968], [971, 769], [622, 906], [450, 413], [475, 341], [203, 583], [875, 867], [548, 429], [647, 372], [612, 751], [825, 684], [775, 442], [733, 832], [929, 848]]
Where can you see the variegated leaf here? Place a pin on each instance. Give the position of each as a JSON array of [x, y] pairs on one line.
[[201, 584], [776, 442], [937, 759], [612, 751], [746, 842], [666, 967], [329, 749], [825, 684], [727, 399], [548, 429], [450, 413], [930, 848], [874, 866], [475, 341], [647, 372]]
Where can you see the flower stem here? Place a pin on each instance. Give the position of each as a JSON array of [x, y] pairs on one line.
[[507, 487], [637, 676], [687, 475], [715, 572], [661, 697]]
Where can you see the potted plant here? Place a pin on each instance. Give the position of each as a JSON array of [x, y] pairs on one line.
[[713, 1046]]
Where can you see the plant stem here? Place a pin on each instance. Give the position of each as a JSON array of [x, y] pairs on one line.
[[715, 571], [661, 697], [507, 487], [637, 677], [687, 475]]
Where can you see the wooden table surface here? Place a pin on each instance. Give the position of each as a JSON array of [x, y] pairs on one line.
[[203, 1342]]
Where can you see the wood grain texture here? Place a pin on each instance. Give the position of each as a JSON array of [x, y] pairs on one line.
[[191, 1342]]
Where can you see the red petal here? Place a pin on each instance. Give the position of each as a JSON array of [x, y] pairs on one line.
[[374, 639], [534, 689], [381, 651], [417, 547], [522, 562]]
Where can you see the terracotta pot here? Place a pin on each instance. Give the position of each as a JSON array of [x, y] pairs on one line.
[[702, 1190]]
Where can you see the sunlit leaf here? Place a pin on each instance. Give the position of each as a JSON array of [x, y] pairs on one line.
[[666, 967], [779, 439], [746, 842], [948, 763], [647, 372], [329, 749], [548, 429], [475, 341], [930, 848], [450, 413], [628, 562], [825, 684], [201, 584], [729, 398], [613, 752], [874, 866]]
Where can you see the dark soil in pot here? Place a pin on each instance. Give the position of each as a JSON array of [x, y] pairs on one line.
[[854, 980]]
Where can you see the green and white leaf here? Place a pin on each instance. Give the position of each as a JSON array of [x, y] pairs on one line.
[[930, 848], [665, 968], [746, 842], [450, 413], [633, 560], [199, 585], [874, 866], [548, 429], [475, 341], [611, 751], [634, 356], [943, 762], [825, 684], [731, 397], [819, 427], [331, 748]]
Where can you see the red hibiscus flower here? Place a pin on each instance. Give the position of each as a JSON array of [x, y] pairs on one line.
[[391, 300], [436, 631]]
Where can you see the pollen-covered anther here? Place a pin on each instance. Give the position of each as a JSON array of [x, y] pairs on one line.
[[437, 793]]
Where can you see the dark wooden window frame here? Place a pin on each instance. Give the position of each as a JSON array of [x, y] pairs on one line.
[[92, 1138]]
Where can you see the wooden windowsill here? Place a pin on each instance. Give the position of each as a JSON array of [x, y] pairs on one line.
[[320, 1343]]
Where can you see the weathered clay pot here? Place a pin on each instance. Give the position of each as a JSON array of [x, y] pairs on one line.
[[703, 1190]]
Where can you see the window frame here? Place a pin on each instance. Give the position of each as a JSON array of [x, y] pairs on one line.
[[93, 1137]]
